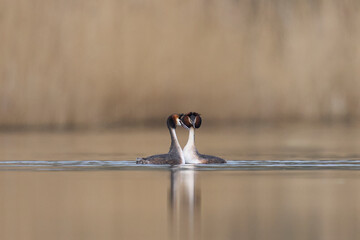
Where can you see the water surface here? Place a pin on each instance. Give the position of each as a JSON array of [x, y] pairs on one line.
[[279, 183]]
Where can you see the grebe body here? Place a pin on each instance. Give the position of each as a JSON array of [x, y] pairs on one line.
[[175, 155], [191, 121]]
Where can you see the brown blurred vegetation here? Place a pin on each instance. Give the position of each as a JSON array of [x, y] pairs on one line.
[[103, 63]]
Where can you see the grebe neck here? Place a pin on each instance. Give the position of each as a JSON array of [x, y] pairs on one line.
[[175, 145], [191, 141], [190, 152]]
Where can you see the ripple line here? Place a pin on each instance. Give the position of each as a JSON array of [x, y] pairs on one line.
[[131, 165]]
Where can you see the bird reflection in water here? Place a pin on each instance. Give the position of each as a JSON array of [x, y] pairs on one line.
[[184, 203]]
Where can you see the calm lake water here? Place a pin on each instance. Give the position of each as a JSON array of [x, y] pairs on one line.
[[285, 182]]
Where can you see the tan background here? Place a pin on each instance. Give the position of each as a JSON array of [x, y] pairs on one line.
[[106, 63]]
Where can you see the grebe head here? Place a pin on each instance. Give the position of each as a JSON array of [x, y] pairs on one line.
[[174, 120], [191, 119]]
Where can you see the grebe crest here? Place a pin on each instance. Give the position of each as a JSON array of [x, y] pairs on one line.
[[174, 120], [191, 119]]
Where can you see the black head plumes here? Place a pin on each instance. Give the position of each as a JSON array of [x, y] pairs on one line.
[[191, 119], [173, 119]]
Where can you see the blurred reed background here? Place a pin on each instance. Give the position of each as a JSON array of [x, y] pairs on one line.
[[106, 63]]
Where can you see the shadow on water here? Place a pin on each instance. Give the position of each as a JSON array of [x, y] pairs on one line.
[[184, 204]]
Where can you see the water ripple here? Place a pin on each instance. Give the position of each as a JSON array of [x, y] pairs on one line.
[[231, 165]]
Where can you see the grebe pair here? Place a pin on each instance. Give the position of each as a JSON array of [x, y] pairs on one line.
[[176, 155]]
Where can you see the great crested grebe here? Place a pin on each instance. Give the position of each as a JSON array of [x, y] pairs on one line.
[[193, 120], [175, 154]]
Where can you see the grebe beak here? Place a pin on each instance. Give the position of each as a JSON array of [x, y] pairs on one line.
[[193, 120], [183, 125], [178, 122]]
